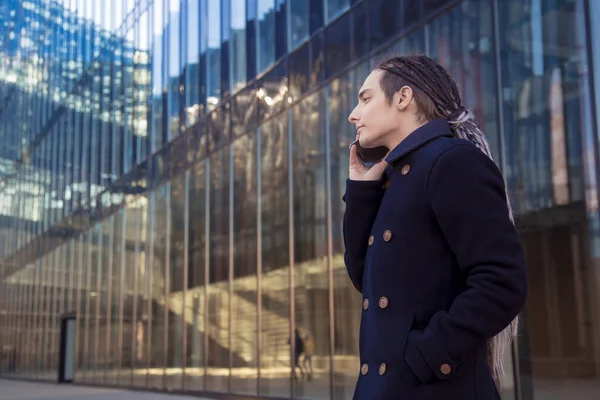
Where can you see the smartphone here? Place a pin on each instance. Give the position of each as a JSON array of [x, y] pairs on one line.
[[369, 156]]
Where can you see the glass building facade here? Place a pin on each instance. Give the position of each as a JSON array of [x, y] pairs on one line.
[[172, 172]]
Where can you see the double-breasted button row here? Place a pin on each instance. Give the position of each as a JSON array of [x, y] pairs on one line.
[[387, 236], [364, 369], [383, 302]]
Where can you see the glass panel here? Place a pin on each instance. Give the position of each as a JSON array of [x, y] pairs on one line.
[[172, 30], [338, 51], [142, 301], [218, 288], [195, 306], [335, 8], [544, 125], [113, 347], [341, 100], [87, 321], [95, 303], [244, 300], [311, 297], [275, 363], [238, 45], [176, 269], [453, 47], [385, 21], [299, 22], [266, 32], [158, 336], [127, 269], [156, 46], [213, 82], [192, 69]]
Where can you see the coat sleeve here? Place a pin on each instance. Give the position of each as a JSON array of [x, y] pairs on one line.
[[466, 193], [362, 203]]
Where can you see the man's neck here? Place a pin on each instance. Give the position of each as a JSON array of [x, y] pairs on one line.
[[397, 137]]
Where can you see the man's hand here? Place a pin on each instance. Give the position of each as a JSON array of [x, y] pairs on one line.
[[358, 172]]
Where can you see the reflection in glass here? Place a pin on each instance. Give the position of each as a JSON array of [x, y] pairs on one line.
[[265, 51], [158, 337], [244, 295], [213, 55], [275, 366], [473, 68], [113, 347], [175, 254], [311, 291], [299, 23], [335, 8], [142, 314], [544, 127], [217, 353], [238, 45], [342, 99], [195, 316]]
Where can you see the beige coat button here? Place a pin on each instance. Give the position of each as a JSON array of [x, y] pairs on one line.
[[366, 303], [386, 184], [382, 369], [405, 169], [387, 235], [371, 240], [446, 369], [383, 302], [364, 369]]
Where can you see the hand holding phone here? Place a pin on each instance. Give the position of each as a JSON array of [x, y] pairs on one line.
[[367, 164]]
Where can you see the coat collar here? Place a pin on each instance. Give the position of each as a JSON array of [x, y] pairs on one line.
[[426, 133]]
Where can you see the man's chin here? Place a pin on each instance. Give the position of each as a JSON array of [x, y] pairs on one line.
[[367, 144]]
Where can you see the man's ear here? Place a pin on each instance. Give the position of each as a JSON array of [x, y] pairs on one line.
[[404, 97]]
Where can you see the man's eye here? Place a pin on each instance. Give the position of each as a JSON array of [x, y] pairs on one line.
[[366, 99]]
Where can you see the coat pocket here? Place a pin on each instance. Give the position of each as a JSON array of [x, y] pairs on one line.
[[392, 349]]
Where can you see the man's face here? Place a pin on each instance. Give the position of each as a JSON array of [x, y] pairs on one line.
[[373, 116]]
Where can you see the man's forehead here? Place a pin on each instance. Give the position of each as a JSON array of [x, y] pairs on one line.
[[371, 83]]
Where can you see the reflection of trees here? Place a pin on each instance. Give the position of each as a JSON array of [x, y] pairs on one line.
[[274, 194]]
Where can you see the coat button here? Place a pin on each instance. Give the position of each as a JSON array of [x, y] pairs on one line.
[[382, 369], [446, 369], [387, 235], [366, 303], [364, 369], [383, 302], [405, 169], [386, 184], [371, 240]]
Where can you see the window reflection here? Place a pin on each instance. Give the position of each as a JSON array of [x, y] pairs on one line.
[[176, 230], [238, 45], [299, 22], [311, 300], [274, 324], [265, 34], [196, 300], [543, 148], [335, 8], [244, 299], [341, 100], [90, 89]]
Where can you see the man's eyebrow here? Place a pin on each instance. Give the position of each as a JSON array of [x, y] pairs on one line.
[[362, 93]]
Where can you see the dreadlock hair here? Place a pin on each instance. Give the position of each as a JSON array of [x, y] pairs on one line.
[[437, 96]]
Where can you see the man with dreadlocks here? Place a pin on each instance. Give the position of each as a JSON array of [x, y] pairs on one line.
[[430, 241]]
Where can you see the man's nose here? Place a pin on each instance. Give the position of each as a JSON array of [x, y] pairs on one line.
[[353, 117]]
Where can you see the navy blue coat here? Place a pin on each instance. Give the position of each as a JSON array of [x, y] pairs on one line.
[[440, 267]]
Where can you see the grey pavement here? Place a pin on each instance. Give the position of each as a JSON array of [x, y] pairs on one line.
[[20, 390]]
